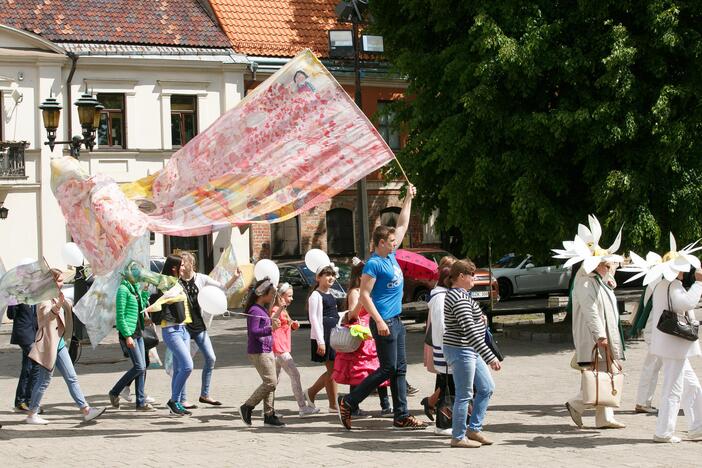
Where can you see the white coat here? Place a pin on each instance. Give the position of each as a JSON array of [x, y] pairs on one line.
[[681, 301], [595, 315]]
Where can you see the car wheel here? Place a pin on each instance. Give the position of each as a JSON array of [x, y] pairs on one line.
[[421, 295], [505, 288]]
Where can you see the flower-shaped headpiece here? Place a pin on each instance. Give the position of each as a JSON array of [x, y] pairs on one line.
[[654, 267], [586, 247]]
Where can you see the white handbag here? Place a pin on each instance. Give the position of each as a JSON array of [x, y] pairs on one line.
[[342, 341], [602, 388]]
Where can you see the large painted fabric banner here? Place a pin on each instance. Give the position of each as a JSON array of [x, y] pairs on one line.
[[294, 142]]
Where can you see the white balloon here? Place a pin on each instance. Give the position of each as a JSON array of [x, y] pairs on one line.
[[267, 268], [25, 261], [316, 258], [72, 254], [212, 300]]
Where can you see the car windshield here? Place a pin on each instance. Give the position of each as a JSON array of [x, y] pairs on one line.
[[510, 261], [309, 276]]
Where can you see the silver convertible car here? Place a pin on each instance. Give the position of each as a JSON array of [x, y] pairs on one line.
[[522, 274]]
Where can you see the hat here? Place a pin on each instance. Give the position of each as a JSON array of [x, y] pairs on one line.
[[654, 267], [585, 247]]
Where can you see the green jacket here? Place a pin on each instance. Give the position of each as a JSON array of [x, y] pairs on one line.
[[128, 309]]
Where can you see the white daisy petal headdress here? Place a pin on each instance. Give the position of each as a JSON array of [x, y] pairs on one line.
[[654, 267], [585, 247]]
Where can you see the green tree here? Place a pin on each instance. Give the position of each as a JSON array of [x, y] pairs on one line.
[[525, 116]]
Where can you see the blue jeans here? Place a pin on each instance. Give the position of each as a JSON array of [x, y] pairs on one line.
[[28, 375], [463, 362], [136, 373], [483, 386], [393, 366], [205, 346], [65, 366], [177, 341]]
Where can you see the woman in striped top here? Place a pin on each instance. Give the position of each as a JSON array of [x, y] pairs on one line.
[[467, 354]]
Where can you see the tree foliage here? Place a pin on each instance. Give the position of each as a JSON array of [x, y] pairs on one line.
[[525, 116]]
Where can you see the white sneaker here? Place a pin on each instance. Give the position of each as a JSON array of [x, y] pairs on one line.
[[35, 419], [667, 440], [148, 399], [442, 432], [126, 394], [308, 411], [93, 413]]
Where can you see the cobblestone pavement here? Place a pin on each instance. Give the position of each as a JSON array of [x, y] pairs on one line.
[[526, 418]]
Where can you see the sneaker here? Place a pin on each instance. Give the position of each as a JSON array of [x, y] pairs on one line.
[[310, 401], [126, 394], [667, 440], [148, 399], [22, 408], [442, 432], [114, 400], [344, 411], [387, 413], [188, 405], [409, 423], [209, 401], [245, 413], [175, 408], [464, 443], [360, 414], [36, 419], [308, 411], [411, 390], [184, 410], [271, 420], [428, 410], [574, 415], [146, 408], [93, 413], [695, 434], [646, 409], [478, 437]]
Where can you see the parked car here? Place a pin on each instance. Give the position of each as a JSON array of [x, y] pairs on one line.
[[302, 279], [417, 290], [523, 274]]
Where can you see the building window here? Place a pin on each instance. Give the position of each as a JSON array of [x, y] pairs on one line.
[[386, 120], [111, 133], [285, 238], [340, 232], [183, 119]]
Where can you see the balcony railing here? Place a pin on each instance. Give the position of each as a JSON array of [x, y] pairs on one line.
[[12, 159]]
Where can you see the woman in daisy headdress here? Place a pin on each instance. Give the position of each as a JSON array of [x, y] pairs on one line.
[[595, 314], [681, 387]]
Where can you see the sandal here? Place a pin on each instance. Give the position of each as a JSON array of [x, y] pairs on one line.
[[210, 401]]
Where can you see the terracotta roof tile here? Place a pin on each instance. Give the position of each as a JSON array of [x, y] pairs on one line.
[[279, 28], [168, 22]]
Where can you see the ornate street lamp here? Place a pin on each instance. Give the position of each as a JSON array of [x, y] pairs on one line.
[[3, 211], [88, 114]]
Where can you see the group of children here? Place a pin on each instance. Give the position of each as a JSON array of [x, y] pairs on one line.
[[269, 348]]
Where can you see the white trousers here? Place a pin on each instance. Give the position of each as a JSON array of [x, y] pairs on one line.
[[680, 388], [648, 380], [286, 362]]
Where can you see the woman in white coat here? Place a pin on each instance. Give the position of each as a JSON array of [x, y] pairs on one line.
[[680, 384]]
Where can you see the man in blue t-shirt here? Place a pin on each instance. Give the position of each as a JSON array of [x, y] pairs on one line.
[[381, 297]]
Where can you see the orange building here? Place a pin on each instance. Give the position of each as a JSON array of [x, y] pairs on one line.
[[270, 32]]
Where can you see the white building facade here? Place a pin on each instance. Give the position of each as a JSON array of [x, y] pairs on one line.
[[156, 98]]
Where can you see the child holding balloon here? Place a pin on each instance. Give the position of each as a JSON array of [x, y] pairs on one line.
[[282, 347], [193, 283]]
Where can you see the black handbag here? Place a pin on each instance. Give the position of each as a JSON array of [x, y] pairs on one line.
[[150, 337], [670, 324], [492, 344], [444, 408]]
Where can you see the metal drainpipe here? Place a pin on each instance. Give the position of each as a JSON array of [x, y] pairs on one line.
[[69, 98]]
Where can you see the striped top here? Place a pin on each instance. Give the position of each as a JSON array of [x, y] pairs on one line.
[[464, 326]]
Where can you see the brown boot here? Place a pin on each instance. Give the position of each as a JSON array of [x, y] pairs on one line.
[[479, 437]]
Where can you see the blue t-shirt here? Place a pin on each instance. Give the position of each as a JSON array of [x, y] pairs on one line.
[[387, 291]]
